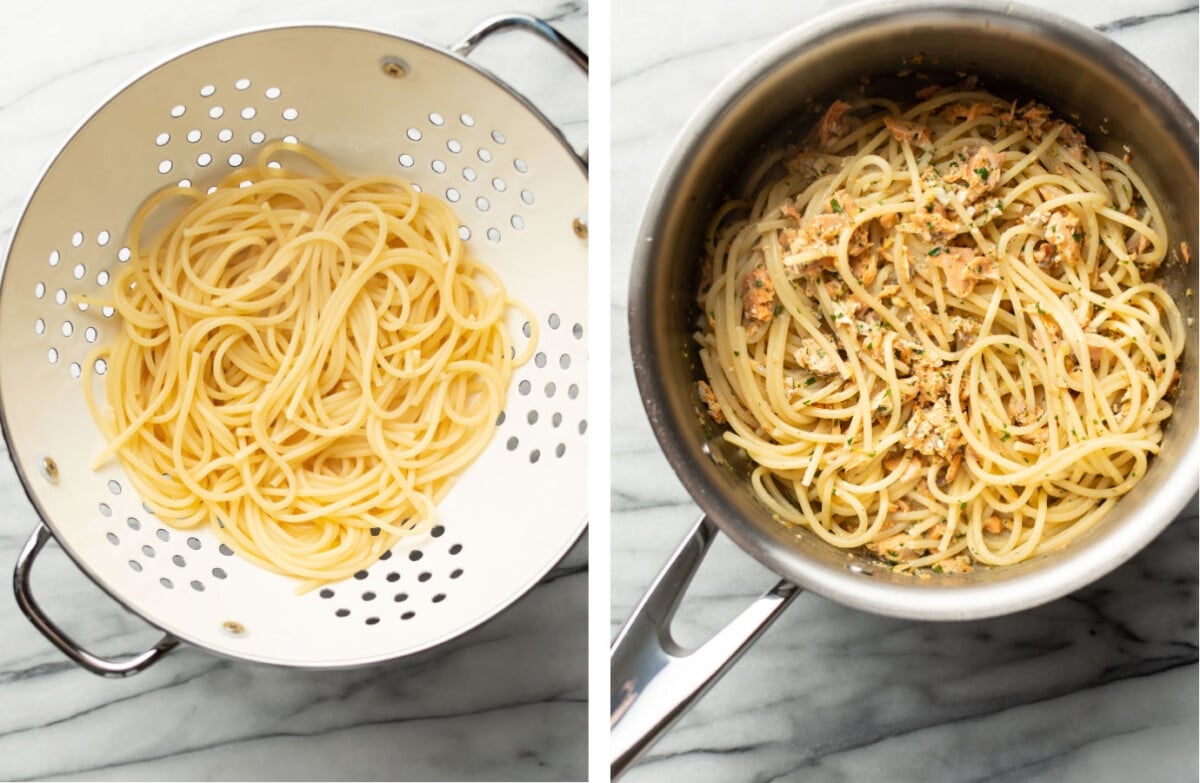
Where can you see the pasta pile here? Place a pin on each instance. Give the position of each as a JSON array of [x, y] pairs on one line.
[[306, 363], [936, 333]]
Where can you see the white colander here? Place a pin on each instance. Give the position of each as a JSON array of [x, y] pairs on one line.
[[372, 102]]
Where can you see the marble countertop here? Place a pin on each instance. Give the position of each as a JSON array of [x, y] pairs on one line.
[[1098, 686], [434, 716]]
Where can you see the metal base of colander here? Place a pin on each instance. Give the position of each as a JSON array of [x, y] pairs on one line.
[[372, 102]]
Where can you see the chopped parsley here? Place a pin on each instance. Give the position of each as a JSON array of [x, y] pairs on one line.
[[811, 380], [983, 174], [833, 203], [933, 251], [778, 309], [1077, 236]]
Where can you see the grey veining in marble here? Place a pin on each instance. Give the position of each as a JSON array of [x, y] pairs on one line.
[[1098, 686], [507, 701]]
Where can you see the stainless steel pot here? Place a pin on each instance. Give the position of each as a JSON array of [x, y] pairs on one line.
[[1014, 50]]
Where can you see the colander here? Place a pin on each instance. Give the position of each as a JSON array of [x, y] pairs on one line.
[[372, 102]]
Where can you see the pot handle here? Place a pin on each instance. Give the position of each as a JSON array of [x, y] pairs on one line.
[[654, 680], [107, 667], [530, 24]]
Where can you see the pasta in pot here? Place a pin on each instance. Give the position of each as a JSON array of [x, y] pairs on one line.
[[306, 363], [935, 330]]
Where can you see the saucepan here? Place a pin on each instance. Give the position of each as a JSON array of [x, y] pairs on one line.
[[1013, 50]]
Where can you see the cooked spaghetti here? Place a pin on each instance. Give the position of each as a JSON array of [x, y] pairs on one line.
[[935, 330], [306, 362]]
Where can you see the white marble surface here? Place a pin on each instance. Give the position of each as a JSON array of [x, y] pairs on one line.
[[505, 702], [1099, 686]]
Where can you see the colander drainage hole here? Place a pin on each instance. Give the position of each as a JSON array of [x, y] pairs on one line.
[[556, 419], [400, 598], [535, 455], [114, 486], [408, 615], [112, 538], [539, 359], [147, 550], [424, 576], [573, 391], [454, 146], [167, 583], [582, 426], [500, 419], [437, 531], [372, 620], [162, 534], [342, 613], [193, 543], [225, 550], [437, 599], [560, 449], [133, 523], [393, 576], [454, 550], [197, 585], [524, 387], [219, 573], [178, 560], [386, 555], [511, 444], [368, 596], [550, 389], [415, 555], [456, 573], [360, 575], [326, 593], [105, 510], [135, 566]]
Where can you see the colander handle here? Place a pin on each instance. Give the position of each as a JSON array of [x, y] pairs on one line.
[[529, 24], [107, 667], [654, 680], [522, 22]]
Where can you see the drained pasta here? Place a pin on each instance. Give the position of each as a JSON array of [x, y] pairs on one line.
[[306, 362], [935, 330]]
